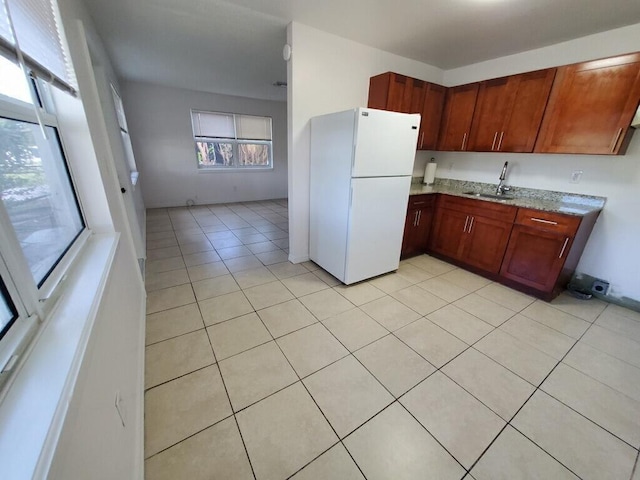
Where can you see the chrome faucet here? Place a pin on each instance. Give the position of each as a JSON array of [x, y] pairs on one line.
[[501, 189]]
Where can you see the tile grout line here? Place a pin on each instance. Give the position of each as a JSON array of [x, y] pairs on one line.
[[392, 333], [537, 387], [246, 451]]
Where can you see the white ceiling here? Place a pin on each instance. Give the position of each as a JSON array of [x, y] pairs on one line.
[[234, 47]]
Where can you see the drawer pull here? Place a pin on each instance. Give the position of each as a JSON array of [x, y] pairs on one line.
[[500, 142], [465, 224], [566, 240], [540, 220], [615, 142], [418, 203]]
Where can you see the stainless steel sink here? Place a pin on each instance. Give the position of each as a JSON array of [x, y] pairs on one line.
[[490, 195]]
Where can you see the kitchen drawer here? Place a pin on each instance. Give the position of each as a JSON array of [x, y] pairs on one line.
[[481, 208], [553, 222], [421, 201]]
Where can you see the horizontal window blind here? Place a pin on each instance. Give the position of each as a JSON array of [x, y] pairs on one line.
[[213, 125], [38, 30], [5, 28], [249, 127]]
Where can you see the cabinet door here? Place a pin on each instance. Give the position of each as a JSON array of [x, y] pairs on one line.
[[431, 116], [535, 257], [456, 120], [530, 93], [494, 102], [417, 229], [591, 107], [448, 232], [417, 91], [387, 92], [410, 241], [425, 219], [486, 243]]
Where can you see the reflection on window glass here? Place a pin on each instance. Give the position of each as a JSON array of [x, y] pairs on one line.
[[7, 311], [253, 154], [14, 84], [37, 194], [214, 153]]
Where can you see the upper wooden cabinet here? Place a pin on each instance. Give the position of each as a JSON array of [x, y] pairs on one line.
[[397, 93], [591, 107], [387, 92], [459, 105], [509, 111], [431, 116]]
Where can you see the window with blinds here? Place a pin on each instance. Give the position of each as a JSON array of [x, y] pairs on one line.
[[31, 29], [227, 141]]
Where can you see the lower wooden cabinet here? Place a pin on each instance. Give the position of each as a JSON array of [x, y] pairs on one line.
[[544, 250], [530, 250], [535, 257], [473, 232], [417, 225]]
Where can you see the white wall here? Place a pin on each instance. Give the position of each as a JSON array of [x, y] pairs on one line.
[[93, 442], [327, 74], [159, 121], [612, 252]]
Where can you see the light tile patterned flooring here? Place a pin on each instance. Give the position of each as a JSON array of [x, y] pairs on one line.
[[258, 368]]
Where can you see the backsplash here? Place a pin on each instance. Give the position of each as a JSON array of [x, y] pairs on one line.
[[521, 192]]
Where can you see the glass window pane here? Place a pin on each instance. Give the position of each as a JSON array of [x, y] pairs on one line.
[[253, 154], [7, 311], [14, 84], [214, 154], [37, 194]]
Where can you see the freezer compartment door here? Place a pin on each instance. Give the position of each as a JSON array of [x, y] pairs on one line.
[[385, 143], [376, 225]]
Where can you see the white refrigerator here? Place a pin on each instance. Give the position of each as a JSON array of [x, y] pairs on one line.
[[360, 176]]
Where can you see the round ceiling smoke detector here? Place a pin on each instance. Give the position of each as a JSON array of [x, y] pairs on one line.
[[286, 52]]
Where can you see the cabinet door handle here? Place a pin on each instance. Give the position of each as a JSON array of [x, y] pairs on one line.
[[471, 224], [419, 216], [540, 220], [421, 139], [415, 218], [615, 142], [500, 141], [566, 240], [493, 144], [464, 140], [465, 224]]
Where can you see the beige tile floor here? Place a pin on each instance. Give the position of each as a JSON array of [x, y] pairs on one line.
[[258, 368]]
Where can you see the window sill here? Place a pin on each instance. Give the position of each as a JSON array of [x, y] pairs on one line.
[[36, 402]]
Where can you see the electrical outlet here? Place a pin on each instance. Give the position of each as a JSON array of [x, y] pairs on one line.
[[576, 176]]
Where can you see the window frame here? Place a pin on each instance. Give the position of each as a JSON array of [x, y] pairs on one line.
[[236, 167], [33, 300]]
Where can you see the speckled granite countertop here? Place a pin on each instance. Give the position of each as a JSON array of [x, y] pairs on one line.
[[569, 203]]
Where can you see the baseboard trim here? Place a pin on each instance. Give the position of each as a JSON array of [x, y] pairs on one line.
[[298, 258]]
